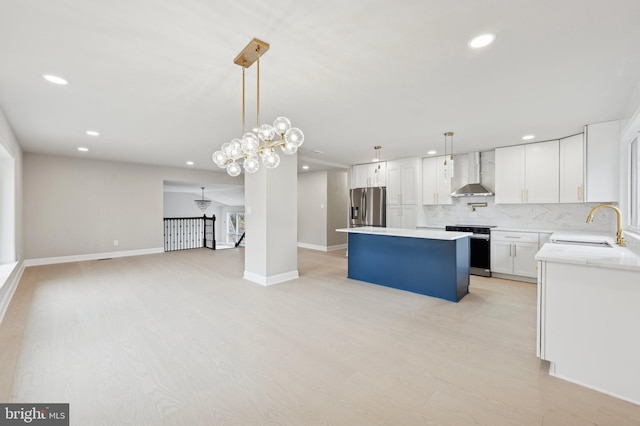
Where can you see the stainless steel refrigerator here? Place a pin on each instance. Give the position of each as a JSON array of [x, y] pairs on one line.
[[369, 207]]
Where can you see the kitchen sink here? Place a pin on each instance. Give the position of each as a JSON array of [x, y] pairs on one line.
[[584, 243]]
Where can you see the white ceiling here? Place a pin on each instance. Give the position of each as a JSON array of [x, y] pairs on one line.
[[157, 78]]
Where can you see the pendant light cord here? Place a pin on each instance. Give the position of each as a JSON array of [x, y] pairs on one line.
[[258, 91], [243, 114]]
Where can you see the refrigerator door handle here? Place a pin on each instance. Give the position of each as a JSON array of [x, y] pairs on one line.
[[364, 207]]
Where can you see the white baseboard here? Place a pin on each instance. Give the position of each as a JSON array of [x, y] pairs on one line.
[[8, 285], [514, 278], [91, 256], [270, 280], [322, 248]]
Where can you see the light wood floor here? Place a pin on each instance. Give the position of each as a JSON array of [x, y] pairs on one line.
[[180, 339]]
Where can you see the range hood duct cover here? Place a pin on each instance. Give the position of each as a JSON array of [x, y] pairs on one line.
[[474, 188]]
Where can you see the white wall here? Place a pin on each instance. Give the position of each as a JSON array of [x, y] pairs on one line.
[[79, 206], [10, 194], [182, 204], [323, 203], [271, 200], [11, 229], [312, 208], [337, 206]]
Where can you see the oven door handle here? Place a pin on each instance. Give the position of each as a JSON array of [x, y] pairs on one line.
[[480, 237]]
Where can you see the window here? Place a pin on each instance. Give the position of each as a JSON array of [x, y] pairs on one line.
[[235, 226], [634, 186]]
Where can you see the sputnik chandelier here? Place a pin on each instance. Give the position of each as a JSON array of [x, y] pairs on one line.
[[263, 143]]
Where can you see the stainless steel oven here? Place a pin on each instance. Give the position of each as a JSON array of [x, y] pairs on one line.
[[480, 250]]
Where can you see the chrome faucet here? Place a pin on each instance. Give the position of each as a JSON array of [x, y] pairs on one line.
[[619, 236]]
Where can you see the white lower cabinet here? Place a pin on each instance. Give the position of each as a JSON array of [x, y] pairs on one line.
[[587, 317], [401, 216], [513, 253]]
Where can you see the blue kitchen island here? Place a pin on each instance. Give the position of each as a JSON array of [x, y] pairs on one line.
[[430, 262]]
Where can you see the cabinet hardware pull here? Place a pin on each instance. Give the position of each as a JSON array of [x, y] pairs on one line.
[[510, 236], [509, 250], [515, 250]]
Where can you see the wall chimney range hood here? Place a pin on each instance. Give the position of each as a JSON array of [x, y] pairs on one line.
[[474, 188]]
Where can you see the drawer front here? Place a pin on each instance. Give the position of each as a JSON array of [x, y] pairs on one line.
[[515, 237]]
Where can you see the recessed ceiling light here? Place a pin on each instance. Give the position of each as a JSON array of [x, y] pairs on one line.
[[431, 152], [83, 149], [92, 133], [528, 137], [190, 163], [55, 79], [482, 40], [305, 167]]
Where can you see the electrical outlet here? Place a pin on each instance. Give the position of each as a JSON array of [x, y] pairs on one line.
[[116, 242]]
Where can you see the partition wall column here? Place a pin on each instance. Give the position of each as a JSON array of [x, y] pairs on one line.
[[271, 223]]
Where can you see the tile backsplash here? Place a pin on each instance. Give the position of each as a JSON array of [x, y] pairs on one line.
[[521, 216]]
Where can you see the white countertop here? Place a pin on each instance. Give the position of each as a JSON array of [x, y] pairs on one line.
[[513, 229], [428, 234], [606, 257]]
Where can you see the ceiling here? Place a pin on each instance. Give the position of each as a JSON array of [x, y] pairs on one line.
[[157, 78]]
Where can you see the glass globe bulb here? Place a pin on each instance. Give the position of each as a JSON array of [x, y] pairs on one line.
[[250, 144], [289, 148], [220, 158], [233, 169], [226, 148], [281, 124], [295, 136], [266, 132], [235, 149], [251, 164], [270, 159]]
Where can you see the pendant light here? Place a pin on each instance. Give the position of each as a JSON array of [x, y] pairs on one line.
[[448, 161], [263, 143], [202, 203]]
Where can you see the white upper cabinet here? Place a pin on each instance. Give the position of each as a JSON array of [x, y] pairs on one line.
[[436, 186], [603, 163], [542, 172], [366, 175], [572, 169], [528, 173], [402, 181], [510, 174]]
